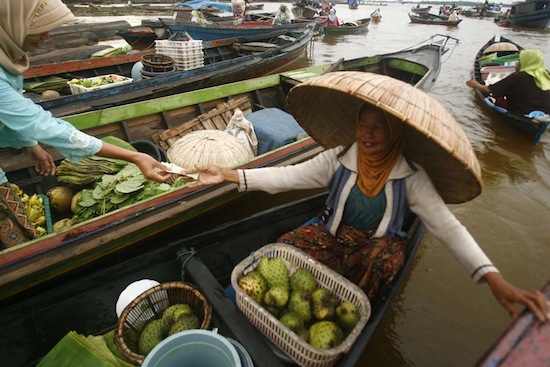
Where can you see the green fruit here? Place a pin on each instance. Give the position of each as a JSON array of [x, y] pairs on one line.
[[303, 280], [152, 334], [324, 304], [347, 315], [254, 285], [172, 313], [325, 335], [276, 296], [292, 321], [274, 271], [185, 322], [299, 302]]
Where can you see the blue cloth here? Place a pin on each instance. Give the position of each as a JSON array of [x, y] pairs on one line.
[[24, 123], [274, 128], [201, 4]]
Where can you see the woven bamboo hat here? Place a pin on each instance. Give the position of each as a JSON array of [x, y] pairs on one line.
[[326, 107]]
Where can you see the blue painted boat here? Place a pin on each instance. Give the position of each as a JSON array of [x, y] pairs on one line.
[[501, 51], [530, 14]]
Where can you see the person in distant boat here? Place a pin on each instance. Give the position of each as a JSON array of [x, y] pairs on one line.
[[371, 184], [524, 91], [24, 26], [454, 16], [325, 8], [283, 16], [239, 11], [331, 20], [199, 18]]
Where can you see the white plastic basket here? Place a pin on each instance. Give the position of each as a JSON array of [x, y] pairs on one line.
[[78, 89], [285, 339]]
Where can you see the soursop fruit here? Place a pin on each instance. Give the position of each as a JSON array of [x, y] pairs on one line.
[[254, 284], [152, 334], [274, 271], [325, 335], [173, 312], [324, 304], [276, 296], [347, 315], [292, 321], [299, 302], [185, 322], [303, 280]]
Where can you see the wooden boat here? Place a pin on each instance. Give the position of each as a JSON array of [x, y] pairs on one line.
[[375, 16], [142, 38], [357, 26], [353, 4], [490, 63], [225, 61], [226, 28], [302, 10], [47, 259], [523, 343], [421, 10], [433, 19], [530, 14], [86, 302]]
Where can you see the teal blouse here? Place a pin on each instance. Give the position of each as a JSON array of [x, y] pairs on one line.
[[362, 212]]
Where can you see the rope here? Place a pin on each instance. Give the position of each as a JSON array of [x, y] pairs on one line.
[[188, 255]]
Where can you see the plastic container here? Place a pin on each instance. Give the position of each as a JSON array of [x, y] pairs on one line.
[[194, 348], [119, 80], [47, 213], [282, 337]]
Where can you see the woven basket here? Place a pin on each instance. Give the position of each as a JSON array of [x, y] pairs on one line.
[[157, 63], [204, 147], [150, 305], [326, 107]]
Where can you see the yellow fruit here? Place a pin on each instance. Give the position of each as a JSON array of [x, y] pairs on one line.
[[62, 223], [74, 201], [50, 94], [60, 198]]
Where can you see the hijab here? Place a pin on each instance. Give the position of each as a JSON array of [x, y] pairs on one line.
[[374, 169], [18, 19], [532, 62], [332, 14]]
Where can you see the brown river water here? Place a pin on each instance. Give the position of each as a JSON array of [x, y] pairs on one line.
[[440, 317]]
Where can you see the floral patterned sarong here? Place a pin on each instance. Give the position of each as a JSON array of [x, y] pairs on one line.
[[369, 262], [15, 227]]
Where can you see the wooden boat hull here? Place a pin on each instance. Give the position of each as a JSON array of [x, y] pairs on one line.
[[531, 14], [523, 343], [24, 267], [532, 128], [362, 26], [86, 302], [423, 10], [223, 64], [433, 20], [307, 12]]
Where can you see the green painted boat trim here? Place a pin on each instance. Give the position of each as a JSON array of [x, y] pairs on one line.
[[410, 67]]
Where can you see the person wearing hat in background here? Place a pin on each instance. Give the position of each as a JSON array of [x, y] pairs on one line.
[[331, 20], [24, 25], [381, 159], [282, 17], [526, 90]]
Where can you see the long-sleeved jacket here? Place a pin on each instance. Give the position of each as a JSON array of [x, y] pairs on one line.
[[24, 123], [422, 198]]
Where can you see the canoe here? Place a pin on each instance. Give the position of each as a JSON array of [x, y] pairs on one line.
[[225, 61], [523, 343], [433, 19], [46, 259], [530, 14], [304, 11], [86, 303], [226, 28], [142, 38], [357, 26], [421, 10], [490, 63]]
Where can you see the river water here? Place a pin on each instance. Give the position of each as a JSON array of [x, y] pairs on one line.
[[440, 317]]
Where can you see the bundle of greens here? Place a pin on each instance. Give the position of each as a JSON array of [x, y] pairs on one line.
[[88, 171]]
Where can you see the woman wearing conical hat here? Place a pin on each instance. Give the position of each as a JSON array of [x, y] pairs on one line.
[[391, 150], [526, 90]]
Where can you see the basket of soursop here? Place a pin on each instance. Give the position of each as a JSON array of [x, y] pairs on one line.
[[157, 313], [309, 311]]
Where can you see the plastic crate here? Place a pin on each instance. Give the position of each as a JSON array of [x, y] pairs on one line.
[[120, 80], [297, 349]]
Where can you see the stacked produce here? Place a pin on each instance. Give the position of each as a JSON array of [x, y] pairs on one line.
[[176, 318], [314, 313], [34, 206], [88, 171]]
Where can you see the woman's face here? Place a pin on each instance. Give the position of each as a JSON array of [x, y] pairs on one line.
[[33, 41], [373, 134]]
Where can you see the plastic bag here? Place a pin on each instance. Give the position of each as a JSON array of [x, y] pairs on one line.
[[243, 130]]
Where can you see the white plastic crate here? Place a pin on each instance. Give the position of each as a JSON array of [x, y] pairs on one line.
[[119, 80], [285, 339], [186, 54]]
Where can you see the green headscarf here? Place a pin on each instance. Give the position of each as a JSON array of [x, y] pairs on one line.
[[532, 62]]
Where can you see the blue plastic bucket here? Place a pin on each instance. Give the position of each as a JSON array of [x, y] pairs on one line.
[[193, 348]]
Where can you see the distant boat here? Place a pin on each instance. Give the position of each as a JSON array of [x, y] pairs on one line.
[[359, 25], [530, 14], [433, 19], [421, 10], [142, 38]]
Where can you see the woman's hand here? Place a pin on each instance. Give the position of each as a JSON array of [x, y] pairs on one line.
[[211, 175], [508, 295], [43, 161], [151, 168]]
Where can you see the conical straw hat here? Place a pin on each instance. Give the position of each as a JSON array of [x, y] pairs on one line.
[[326, 107], [202, 147]]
